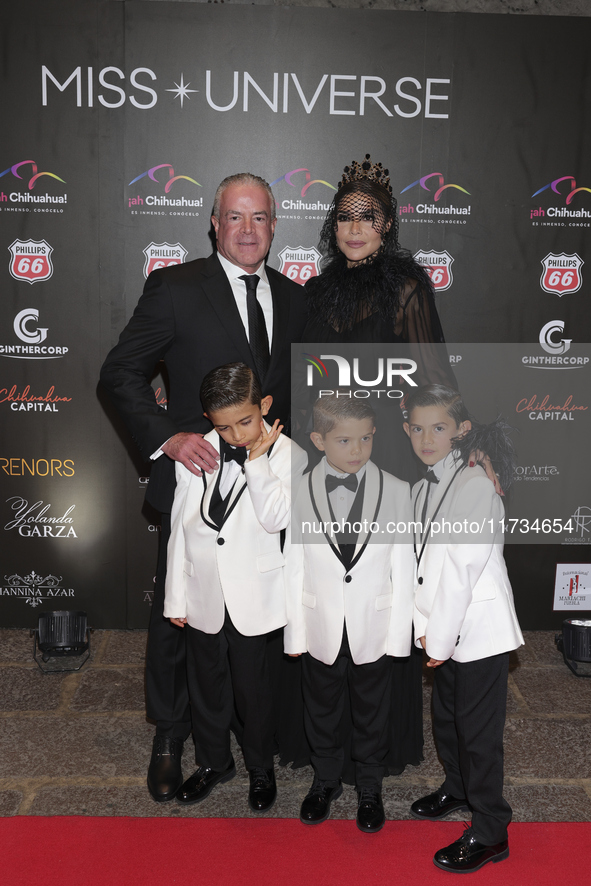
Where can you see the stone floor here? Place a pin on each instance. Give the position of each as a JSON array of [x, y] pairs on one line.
[[78, 743]]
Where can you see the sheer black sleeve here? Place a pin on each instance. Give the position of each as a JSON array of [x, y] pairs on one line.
[[418, 324]]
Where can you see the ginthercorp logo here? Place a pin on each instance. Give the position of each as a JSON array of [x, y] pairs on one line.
[[26, 328], [30, 260], [561, 273], [164, 176], [547, 332], [34, 588], [567, 210], [386, 372], [438, 266], [27, 175], [299, 264], [162, 255], [434, 187], [297, 207]]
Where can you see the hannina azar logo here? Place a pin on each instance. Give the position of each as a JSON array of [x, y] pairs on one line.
[[26, 172]]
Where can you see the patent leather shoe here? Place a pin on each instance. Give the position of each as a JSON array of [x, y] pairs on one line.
[[370, 811], [467, 854], [437, 805], [164, 772], [316, 804], [202, 782], [263, 790]]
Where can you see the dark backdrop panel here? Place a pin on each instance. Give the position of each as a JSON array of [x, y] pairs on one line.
[[473, 114]]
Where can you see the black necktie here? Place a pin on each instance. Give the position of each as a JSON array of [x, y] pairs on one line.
[[238, 454], [257, 330], [349, 482]]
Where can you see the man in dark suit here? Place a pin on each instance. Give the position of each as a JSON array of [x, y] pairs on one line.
[[227, 308]]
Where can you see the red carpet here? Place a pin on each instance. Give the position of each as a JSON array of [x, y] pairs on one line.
[[63, 851]]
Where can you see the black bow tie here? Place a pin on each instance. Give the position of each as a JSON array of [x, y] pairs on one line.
[[238, 455], [431, 477], [349, 482]]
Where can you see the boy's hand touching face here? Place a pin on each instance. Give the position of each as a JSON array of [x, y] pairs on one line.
[[265, 440]]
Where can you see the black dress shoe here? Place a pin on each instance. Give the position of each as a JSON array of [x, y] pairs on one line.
[[370, 811], [263, 790], [467, 854], [201, 783], [164, 772], [316, 804], [437, 805]]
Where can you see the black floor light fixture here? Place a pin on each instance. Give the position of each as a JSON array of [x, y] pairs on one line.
[[61, 633], [575, 644]]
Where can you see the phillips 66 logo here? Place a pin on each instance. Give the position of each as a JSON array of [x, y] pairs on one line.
[[438, 266], [561, 273], [299, 264], [31, 260], [161, 255]]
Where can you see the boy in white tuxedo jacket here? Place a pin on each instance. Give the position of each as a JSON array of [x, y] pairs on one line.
[[465, 619], [226, 580], [349, 603]]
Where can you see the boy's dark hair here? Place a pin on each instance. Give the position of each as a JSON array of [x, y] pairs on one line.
[[230, 385], [438, 395], [339, 407]]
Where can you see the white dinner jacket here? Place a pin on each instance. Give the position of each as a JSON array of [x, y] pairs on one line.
[[373, 598], [463, 599], [239, 567]]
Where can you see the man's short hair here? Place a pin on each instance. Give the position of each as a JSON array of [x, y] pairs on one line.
[[242, 178], [328, 411], [230, 385], [438, 395]]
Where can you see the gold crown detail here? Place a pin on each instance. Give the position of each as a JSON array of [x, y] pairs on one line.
[[366, 171]]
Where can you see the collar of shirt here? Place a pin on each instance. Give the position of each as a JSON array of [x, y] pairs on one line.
[[341, 499], [231, 470], [264, 297]]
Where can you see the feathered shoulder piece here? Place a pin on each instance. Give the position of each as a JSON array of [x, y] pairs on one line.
[[493, 440]]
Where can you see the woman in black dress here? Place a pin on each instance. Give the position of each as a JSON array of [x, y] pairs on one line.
[[372, 291]]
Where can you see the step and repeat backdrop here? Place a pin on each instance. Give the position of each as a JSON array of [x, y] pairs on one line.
[[120, 119]]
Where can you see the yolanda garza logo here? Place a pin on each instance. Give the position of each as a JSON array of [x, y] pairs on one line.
[[30, 260], [165, 180], [388, 371], [163, 255], [25, 401], [33, 588], [561, 273], [26, 172], [434, 184], [34, 521], [299, 264], [567, 215], [438, 266], [25, 328], [299, 207], [542, 409]]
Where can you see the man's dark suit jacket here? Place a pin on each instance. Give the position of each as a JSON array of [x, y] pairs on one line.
[[187, 317]]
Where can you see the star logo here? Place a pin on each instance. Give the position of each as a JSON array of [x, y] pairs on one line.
[[182, 91]]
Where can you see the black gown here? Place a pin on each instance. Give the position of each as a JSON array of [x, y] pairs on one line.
[[413, 320]]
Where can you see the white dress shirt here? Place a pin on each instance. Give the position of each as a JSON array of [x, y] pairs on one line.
[[341, 499]]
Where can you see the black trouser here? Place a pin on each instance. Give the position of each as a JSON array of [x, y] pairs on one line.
[[167, 697], [469, 707], [324, 688], [224, 669]]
